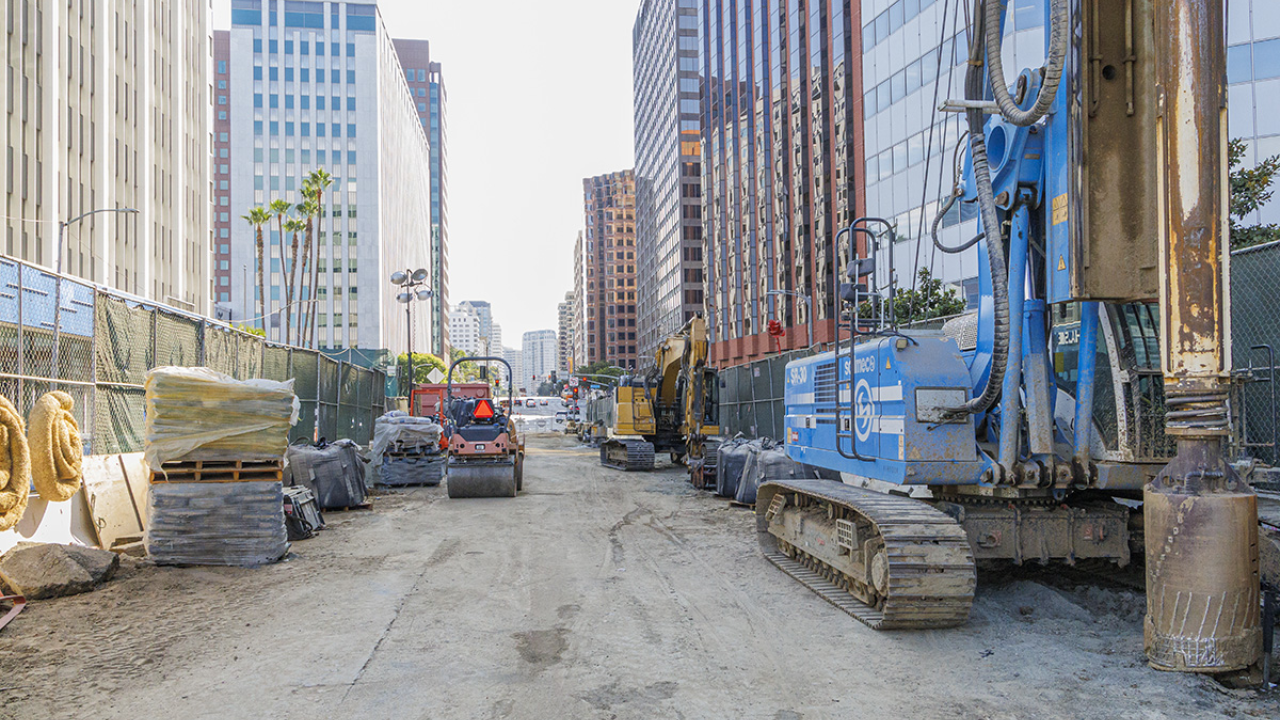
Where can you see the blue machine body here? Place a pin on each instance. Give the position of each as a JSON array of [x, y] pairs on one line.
[[885, 417], [882, 415]]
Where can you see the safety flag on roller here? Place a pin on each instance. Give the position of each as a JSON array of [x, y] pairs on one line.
[[483, 411]]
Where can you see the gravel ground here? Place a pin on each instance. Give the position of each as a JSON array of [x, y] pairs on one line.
[[595, 594]]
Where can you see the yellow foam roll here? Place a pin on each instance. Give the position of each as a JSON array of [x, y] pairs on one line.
[[15, 465], [57, 453]]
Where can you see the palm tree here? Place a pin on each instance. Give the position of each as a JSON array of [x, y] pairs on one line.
[[257, 217], [293, 226], [307, 209], [280, 209], [318, 181]]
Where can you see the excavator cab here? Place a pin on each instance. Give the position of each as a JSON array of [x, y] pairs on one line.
[[486, 456]]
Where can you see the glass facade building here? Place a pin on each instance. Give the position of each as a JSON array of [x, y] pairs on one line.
[[781, 164], [914, 55], [668, 169], [319, 85], [609, 269], [1253, 85]]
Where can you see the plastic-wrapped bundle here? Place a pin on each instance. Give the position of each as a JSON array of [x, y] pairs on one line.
[[401, 470], [216, 523], [335, 473], [201, 414], [397, 430]]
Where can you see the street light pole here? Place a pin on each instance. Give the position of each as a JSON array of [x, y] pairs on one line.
[[62, 228], [409, 279]]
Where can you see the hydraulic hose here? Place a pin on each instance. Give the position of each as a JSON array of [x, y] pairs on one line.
[[937, 220], [991, 225], [1054, 63], [988, 43]]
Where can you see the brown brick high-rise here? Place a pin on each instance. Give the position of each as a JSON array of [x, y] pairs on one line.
[[609, 266]]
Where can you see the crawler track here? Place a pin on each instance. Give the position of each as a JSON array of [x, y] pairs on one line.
[[627, 455], [891, 562]]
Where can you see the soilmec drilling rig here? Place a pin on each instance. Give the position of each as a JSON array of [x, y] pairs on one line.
[[486, 455], [1100, 181], [673, 408]]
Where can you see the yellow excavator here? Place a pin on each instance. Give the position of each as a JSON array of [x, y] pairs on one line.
[[673, 407]]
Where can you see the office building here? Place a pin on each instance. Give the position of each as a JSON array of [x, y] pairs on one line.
[[1253, 89], [464, 329], [609, 263], [668, 169], [515, 358], [484, 312], [564, 352], [781, 170], [539, 350], [579, 292], [426, 83], [319, 85], [495, 340], [104, 114], [224, 216]]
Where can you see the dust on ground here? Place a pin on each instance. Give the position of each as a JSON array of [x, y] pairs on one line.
[[595, 594]]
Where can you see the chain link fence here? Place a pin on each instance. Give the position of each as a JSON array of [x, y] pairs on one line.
[[97, 345], [1255, 339], [752, 396]]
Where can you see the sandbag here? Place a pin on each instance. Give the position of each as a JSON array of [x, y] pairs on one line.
[[766, 463], [15, 465], [748, 481], [731, 458], [56, 449], [335, 473]]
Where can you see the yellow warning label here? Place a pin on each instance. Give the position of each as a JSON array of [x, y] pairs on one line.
[[1060, 209], [886, 363], [1062, 263]]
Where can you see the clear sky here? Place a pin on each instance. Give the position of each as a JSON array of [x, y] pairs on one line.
[[539, 98]]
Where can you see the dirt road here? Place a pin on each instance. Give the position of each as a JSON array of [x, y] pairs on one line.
[[595, 594]]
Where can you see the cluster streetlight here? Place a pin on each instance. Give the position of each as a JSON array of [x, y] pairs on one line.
[[408, 280]]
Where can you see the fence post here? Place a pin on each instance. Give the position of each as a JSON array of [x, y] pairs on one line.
[[22, 341], [91, 413], [56, 373], [201, 349]]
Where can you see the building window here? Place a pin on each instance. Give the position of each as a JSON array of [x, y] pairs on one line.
[[222, 70]]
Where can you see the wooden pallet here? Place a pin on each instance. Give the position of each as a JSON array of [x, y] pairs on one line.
[[219, 471]]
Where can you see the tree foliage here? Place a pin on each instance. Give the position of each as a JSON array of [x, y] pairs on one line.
[[931, 298], [1250, 190], [423, 364], [602, 367]]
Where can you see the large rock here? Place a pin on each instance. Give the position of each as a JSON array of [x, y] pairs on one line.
[[39, 570]]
